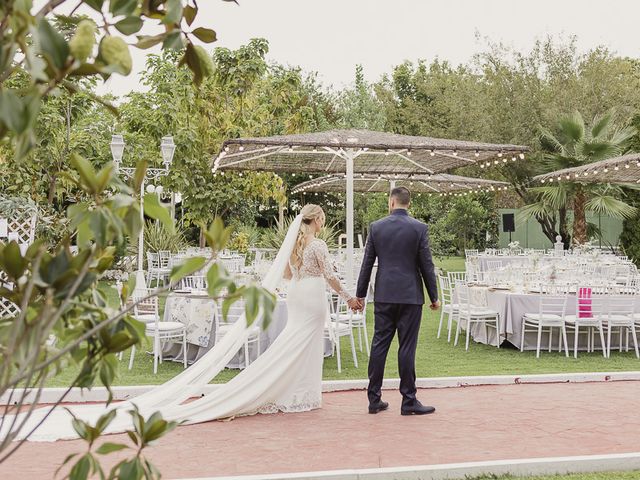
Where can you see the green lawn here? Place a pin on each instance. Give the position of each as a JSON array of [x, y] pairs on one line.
[[577, 476], [435, 358]]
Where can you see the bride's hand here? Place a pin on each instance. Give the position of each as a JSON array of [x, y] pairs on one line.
[[355, 304]]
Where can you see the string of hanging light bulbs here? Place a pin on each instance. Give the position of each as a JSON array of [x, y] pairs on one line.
[[503, 157], [616, 167]]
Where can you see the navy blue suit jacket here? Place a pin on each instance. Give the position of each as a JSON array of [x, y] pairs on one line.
[[401, 245]]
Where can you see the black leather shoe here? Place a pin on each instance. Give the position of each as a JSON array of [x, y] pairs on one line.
[[378, 407], [417, 409]]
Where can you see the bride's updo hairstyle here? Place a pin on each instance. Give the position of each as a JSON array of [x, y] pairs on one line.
[[310, 213]]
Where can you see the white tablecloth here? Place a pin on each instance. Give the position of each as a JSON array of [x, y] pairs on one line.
[[196, 311], [512, 306]]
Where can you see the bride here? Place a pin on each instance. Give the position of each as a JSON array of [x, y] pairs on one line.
[[287, 377]]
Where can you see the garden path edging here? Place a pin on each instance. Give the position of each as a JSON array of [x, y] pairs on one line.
[[100, 394]]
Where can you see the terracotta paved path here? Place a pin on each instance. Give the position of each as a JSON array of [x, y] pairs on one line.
[[471, 424]]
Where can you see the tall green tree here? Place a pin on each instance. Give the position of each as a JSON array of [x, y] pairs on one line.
[[573, 144], [245, 96]]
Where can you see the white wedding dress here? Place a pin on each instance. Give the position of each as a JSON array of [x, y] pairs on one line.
[[287, 377]]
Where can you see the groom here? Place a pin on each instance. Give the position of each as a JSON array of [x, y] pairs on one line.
[[401, 245]]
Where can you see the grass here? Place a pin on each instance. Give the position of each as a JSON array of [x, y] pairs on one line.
[[434, 358]]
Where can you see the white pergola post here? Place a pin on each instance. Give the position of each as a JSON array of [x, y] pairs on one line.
[[392, 185], [141, 281], [349, 156]]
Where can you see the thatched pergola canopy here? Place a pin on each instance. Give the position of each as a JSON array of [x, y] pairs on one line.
[[624, 169], [439, 184], [372, 152]]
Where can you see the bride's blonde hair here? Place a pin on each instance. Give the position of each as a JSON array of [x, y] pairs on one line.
[[310, 213]]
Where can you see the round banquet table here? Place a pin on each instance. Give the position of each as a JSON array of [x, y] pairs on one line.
[[512, 305], [196, 310]]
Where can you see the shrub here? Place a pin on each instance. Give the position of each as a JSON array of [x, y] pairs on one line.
[[273, 237]]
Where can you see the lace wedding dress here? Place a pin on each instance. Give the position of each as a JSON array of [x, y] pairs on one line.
[[287, 377]]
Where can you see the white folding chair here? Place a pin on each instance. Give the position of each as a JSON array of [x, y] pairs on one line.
[[550, 315], [158, 267], [494, 265], [358, 320], [194, 282], [223, 325], [448, 307], [334, 330], [620, 315], [146, 310], [455, 277], [590, 312], [470, 314]]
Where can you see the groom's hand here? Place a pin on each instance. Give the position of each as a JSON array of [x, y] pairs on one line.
[[354, 304], [435, 305]]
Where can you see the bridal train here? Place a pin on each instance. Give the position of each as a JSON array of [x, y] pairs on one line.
[[287, 377]]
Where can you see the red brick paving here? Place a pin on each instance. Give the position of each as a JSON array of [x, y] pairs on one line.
[[471, 424]]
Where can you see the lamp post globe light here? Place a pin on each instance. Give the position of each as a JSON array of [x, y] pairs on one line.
[[167, 149]]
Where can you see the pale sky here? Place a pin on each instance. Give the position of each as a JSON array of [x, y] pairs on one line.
[[332, 36]]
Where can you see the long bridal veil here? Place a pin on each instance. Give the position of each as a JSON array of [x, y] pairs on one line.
[[169, 397]]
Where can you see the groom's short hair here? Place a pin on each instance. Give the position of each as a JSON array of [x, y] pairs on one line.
[[402, 195]]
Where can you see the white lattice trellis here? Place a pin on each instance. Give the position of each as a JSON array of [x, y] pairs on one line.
[[21, 217], [8, 308]]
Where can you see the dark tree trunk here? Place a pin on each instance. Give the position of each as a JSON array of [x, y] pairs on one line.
[[52, 188], [579, 217], [562, 226]]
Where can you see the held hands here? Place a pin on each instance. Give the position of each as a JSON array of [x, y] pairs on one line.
[[356, 304]]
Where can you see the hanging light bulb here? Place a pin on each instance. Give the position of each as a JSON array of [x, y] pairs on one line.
[[521, 156], [477, 154], [626, 165], [455, 153], [616, 168], [605, 169], [513, 159], [409, 152], [482, 165], [432, 153], [499, 154], [290, 148], [241, 148], [226, 148]]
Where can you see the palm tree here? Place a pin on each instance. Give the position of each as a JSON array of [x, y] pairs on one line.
[[577, 144]]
